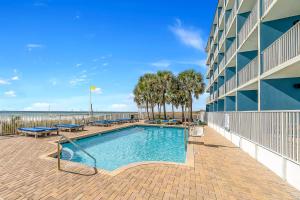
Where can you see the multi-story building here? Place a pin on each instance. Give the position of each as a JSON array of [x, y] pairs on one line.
[[254, 56], [254, 81]]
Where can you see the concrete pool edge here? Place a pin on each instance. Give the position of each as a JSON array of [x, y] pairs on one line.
[[189, 161]]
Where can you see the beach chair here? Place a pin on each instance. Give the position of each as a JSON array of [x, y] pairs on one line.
[[173, 122], [49, 129], [101, 123], [33, 131], [69, 127]]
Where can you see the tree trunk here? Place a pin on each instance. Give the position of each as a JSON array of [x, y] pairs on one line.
[[191, 108], [182, 113], [147, 108], [173, 111], [159, 110], [164, 103], [152, 109]]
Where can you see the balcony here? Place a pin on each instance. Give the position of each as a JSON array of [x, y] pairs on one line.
[[283, 49], [222, 64], [231, 16], [266, 5], [248, 25], [216, 53], [222, 39], [216, 33], [221, 15], [216, 73], [231, 51], [211, 79], [222, 90], [215, 94], [249, 72], [231, 84]]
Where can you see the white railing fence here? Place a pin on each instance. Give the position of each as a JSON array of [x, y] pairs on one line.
[[10, 123], [248, 25], [266, 5], [231, 51], [222, 64], [216, 73], [283, 49], [249, 72], [231, 84], [277, 131]]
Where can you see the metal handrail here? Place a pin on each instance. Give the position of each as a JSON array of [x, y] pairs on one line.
[[77, 146]]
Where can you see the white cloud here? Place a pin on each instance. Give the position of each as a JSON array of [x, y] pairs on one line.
[[78, 65], [161, 64], [10, 93], [119, 107], [80, 79], [105, 64], [39, 106], [189, 36], [15, 78], [53, 82], [97, 91], [4, 82], [34, 46]]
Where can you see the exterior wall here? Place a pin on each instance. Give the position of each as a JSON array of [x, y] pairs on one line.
[[280, 94], [247, 100], [230, 103]]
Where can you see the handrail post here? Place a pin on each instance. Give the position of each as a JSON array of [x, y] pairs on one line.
[[58, 155]]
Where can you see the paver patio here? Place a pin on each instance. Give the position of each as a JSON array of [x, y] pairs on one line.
[[221, 171]]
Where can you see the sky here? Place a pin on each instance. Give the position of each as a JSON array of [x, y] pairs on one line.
[[51, 51]]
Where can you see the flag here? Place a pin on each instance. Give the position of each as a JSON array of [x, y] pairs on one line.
[[93, 88]]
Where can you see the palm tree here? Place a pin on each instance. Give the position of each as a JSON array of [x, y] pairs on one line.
[[164, 81], [141, 95], [192, 84]]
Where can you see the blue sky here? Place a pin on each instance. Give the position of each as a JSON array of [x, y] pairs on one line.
[[52, 50]]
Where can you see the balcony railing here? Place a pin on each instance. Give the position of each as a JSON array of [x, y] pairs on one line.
[[211, 79], [231, 16], [216, 73], [249, 25], [216, 33], [249, 72], [216, 94], [216, 53], [231, 84], [231, 51], [222, 64], [222, 90], [221, 15], [266, 5], [283, 49], [222, 39]]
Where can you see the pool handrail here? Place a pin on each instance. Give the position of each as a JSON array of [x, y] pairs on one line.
[[77, 146]]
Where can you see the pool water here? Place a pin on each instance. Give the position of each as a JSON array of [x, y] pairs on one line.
[[119, 148]]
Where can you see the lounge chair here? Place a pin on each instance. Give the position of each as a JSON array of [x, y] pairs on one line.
[[173, 122], [101, 123], [34, 131], [69, 127], [49, 129]]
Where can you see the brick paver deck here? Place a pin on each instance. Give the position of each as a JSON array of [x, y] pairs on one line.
[[221, 171]]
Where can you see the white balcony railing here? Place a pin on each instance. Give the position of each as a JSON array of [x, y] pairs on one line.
[[221, 15], [231, 84], [216, 73], [266, 5], [283, 49], [222, 64], [222, 39], [231, 51], [211, 79], [231, 16], [222, 90], [216, 33], [249, 72], [216, 53], [216, 94], [248, 25]]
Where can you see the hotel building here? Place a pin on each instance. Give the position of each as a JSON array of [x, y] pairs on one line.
[[253, 72]]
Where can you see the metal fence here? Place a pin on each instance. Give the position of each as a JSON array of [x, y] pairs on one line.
[[10, 123], [249, 72], [276, 131]]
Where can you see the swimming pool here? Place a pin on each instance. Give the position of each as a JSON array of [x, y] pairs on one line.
[[119, 148]]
